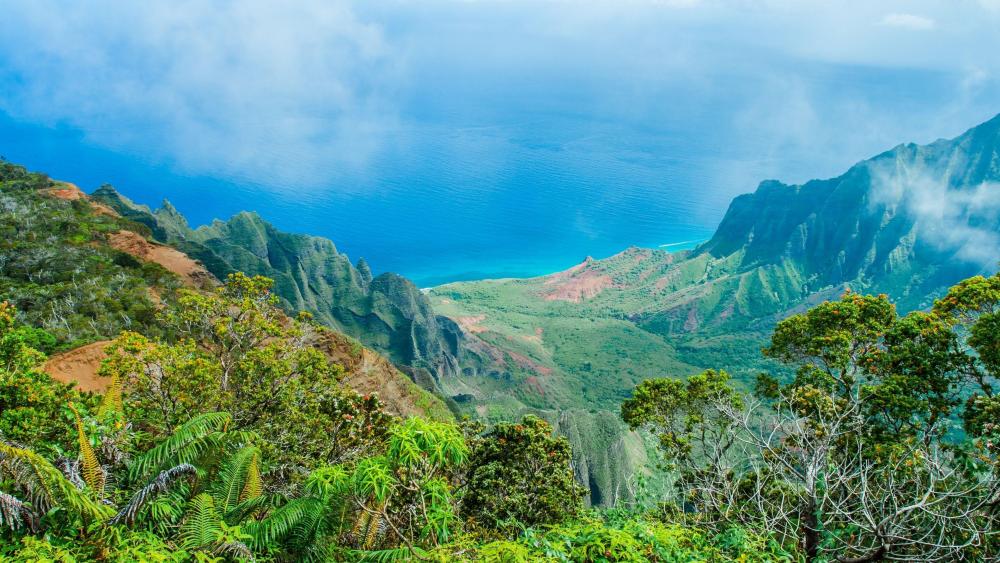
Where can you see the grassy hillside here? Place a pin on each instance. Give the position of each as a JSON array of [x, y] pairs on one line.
[[84, 272]]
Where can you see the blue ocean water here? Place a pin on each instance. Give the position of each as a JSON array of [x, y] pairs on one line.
[[446, 205], [477, 185]]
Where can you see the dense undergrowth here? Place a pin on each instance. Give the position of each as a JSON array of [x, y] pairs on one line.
[[55, 267]]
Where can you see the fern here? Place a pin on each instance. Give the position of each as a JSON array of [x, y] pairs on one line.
[[389, 555], [254, 486], [186, 443], [45, 485], [157, 486], [93, 473], [375, 525], [285, 520], [13, 512], [202, 524], [112, 400], [234, 550], [233, 478]]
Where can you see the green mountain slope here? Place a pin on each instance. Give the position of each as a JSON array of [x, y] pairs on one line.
[[387, 312], [909, 223]]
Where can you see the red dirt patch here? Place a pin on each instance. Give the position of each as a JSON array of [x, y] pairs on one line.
[[527, 363], [471, 324], [664, 281], [66, 191], [577, 283], [368, 372], [80, 366], [728, 311], [532, 383], [193, 273], [691, 323], [535, 338], [70, 192]]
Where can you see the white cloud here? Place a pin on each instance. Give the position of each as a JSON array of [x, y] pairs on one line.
[[960, 219], [249, 88], [295, 92], [908, 21]]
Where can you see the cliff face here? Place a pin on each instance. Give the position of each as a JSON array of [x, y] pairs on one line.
[[386, 312], [906, 222]]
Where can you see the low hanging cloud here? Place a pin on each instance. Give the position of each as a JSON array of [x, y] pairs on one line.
[[239, 89], [963, 219]]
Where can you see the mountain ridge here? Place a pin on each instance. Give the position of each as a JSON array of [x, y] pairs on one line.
[[777, 250], [386, 312]]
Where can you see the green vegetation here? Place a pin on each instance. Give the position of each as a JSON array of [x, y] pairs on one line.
[[869, 453], [226, 432], [520, 475], [386, 313], [875, 449], [57, 270], [234, 351], [150, 472]]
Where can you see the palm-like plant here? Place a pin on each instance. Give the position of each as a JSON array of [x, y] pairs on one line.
[[198, 484], [43, 488], [384, 506]]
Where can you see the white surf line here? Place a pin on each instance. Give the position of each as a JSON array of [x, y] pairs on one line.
[[669, 244]]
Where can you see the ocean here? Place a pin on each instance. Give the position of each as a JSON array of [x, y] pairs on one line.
[[477, 187], [445, 205]]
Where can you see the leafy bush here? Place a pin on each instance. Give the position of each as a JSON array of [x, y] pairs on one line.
[[519, 474]]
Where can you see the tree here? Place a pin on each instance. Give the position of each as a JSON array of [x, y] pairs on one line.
[[234, 351], [696, 437], [32, 404], [519, 474], [853, 458]]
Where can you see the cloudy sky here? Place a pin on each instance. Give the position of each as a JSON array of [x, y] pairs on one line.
[[319, 95], [229, 85]]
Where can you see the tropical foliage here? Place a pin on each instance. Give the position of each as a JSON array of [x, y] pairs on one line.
[[881, 446], [57, 270]]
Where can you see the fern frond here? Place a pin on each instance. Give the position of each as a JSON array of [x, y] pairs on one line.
[[388, 555], [13, 512], [374, 527], [234, 550], [112, 400], [93, 473], [45, 484], [284, 520], [254, 509], [157, 486], [71, 470], [233, 478], [186, 443], [254, 486], [202, 523]]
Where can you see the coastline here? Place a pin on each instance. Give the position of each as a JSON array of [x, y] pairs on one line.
[[429, 281]]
